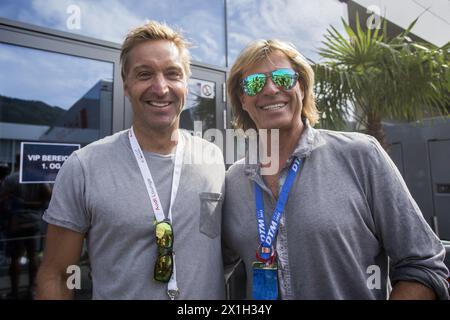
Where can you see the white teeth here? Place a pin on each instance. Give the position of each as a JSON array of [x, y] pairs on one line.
[[273, 106], [158, 104]]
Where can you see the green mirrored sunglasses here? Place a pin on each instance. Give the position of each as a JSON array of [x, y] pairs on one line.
[[164, 241], [254, 83]]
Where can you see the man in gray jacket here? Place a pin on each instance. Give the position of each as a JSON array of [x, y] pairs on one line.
[[335, 220]]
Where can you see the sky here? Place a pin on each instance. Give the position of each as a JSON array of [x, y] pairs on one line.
[[302, 22], [111, 19], [64, 79], [434, 16]]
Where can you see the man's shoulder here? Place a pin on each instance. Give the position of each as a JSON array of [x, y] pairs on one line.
[[344, 141], [202, 148], [106, 145], [345, 136], [93, 156], [196, 139], [237, 169]]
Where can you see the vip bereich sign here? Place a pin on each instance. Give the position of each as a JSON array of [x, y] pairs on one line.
[[40, 162]]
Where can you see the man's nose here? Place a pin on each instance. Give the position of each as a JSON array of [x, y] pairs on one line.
[[270, 87], [159, 85]]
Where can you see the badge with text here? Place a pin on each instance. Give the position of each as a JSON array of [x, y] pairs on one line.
[[265, 254], [265, 281]]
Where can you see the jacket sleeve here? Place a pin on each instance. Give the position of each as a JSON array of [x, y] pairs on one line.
[[414, 250]]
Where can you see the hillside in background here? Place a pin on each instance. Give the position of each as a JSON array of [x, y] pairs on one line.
[[28, 111]]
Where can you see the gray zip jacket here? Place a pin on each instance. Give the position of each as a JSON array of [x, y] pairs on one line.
[[350, 229]]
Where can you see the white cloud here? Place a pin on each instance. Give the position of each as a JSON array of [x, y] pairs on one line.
[[207, 46], [111, 19], [104, 19], [298, 21]]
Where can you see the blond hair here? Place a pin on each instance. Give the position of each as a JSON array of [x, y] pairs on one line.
[[255, 52], [154, 30]]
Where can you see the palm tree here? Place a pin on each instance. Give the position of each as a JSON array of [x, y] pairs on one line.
[[369, 77]]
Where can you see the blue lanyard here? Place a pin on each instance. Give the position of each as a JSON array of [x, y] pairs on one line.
[[266, 236]]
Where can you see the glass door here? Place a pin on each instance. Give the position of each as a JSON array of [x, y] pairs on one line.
[[55, 92]]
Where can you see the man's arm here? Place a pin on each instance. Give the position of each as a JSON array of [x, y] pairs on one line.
[[411, 290], [416, 253], [63, 248]]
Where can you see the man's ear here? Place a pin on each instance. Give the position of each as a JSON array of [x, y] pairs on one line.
[[302, 91], [125, 89], [242, 99]]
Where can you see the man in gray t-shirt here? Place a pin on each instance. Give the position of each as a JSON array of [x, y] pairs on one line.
[[142, 195]]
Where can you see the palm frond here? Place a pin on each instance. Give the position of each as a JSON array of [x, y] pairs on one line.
[[394, 78]]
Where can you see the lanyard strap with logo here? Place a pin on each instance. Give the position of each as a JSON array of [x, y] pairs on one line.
[[265, 283], [172, 287]]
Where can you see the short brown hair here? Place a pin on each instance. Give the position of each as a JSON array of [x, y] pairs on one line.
[[255, 52], [154, 30]]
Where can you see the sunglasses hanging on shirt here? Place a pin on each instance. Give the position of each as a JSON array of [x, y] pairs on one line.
[[164, 241]]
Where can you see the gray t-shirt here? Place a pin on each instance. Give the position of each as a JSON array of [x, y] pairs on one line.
[[347, 212], [100, 192], [161, 168]]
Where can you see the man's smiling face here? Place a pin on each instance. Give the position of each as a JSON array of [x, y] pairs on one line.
[[273, 107], [156, 85]]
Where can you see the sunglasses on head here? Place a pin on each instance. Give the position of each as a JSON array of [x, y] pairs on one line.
[[164, 241], [254, 83]]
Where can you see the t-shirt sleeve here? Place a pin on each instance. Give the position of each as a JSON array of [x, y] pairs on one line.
[[67, 206], [415, 252]]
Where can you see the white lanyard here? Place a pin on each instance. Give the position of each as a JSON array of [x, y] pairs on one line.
[[172, 287]]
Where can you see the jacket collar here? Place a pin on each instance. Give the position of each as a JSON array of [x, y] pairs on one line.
[[309, 140]]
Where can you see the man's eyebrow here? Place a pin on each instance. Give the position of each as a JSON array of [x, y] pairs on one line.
[[141, 67], [174, 67], [146, 67]]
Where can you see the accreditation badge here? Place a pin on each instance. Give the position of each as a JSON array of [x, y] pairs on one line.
[[265, 281]]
